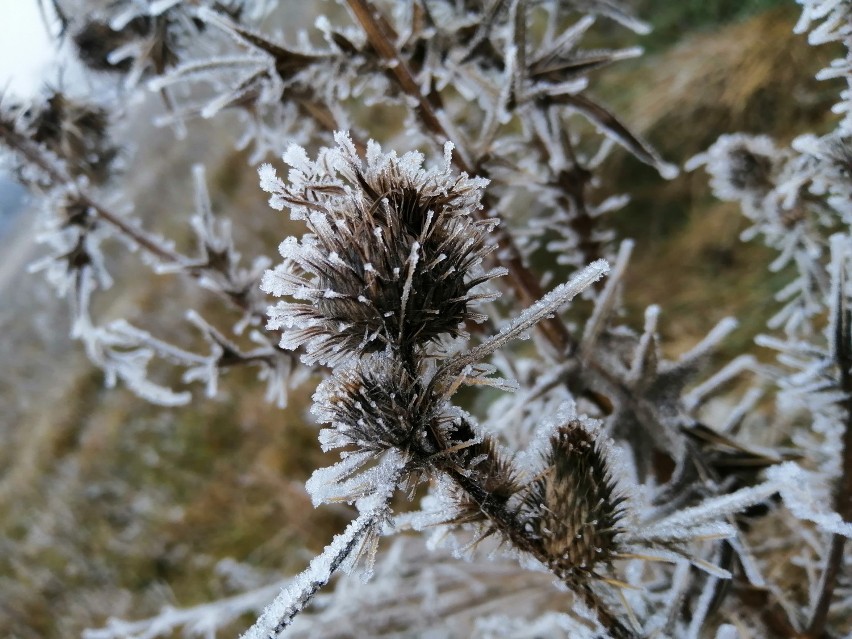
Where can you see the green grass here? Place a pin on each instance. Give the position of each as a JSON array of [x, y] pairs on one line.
[[672, 20]]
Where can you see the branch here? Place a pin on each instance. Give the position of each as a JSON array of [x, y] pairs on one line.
[[35, 156]]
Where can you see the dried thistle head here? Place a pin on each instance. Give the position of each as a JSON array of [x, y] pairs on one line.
[[392, 257], [573, 507], [374, 406], [77, 132], [742, 167]]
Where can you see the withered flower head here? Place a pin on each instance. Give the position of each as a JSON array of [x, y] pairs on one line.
[[574, 507], [75, 131], [742, 167], [374, 406], [392, 257]]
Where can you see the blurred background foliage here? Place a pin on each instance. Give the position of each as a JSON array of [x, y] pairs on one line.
[[674, 20], [112, 507]]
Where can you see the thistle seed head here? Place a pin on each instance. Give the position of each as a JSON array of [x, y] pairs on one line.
[[374, 406], [742, 167], [392, 257], [77, 132], [573, 507]]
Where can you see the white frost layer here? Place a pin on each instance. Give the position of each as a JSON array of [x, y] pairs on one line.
[[806, 496], [296, 596]]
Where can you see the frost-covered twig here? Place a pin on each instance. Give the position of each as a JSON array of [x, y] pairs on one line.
[[840, 329], [342, 551], [203, 620]]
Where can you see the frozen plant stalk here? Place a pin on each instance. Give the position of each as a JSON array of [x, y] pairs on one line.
[[391, 267]]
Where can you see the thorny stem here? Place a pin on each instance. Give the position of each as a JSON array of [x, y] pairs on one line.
[[525, 284], [357, 531], [381, 36], [843, 491], [504, 521]]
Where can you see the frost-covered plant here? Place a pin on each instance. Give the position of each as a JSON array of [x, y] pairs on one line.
[[591, 494], [392, 258]]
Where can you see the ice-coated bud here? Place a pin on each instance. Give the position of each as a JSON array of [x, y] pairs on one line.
[[574, 507]]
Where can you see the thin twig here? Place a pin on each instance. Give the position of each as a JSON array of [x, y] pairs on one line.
[[35, 157]]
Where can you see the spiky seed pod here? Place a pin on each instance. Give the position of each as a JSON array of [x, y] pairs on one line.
[[573, 507], [376, 405], [75, 131], [743, 167], [392, 258], [480, 459]]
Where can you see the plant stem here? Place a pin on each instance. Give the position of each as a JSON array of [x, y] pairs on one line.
[[35, 157], [524, 283], [843, 491], [57, 175]]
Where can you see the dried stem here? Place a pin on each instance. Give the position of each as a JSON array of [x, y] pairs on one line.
[[843, 491], [35, 157], [524, 283]]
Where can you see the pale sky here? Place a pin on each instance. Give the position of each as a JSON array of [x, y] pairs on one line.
[[26, 51]]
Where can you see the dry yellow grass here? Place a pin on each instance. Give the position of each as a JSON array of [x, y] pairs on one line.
[[755, 76]]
